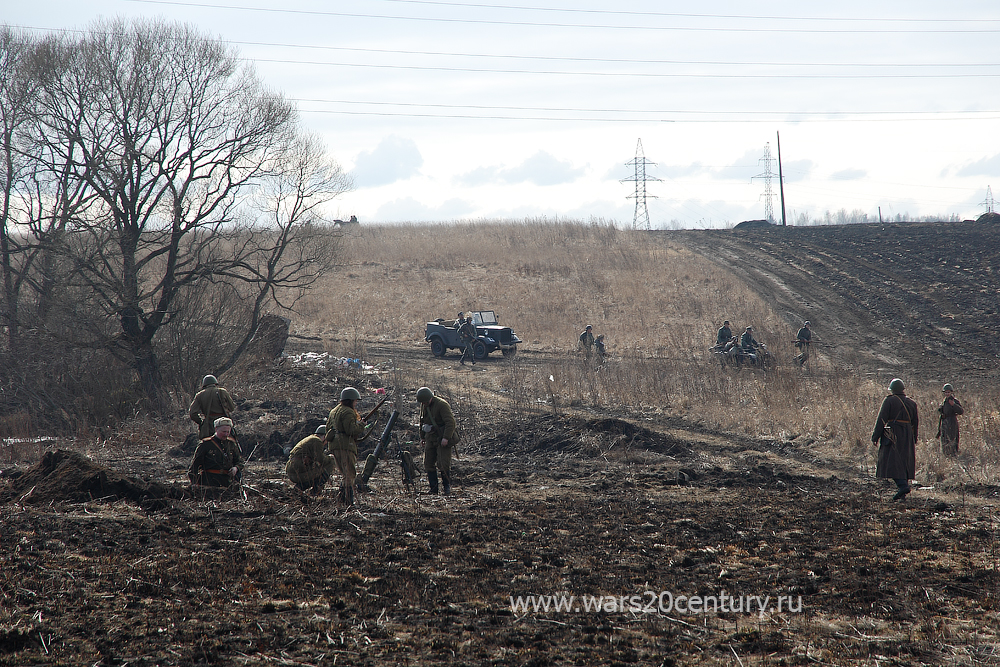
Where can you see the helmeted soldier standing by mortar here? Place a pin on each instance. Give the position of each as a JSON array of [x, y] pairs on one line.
[[343, 430], [218, 460], [208, 405], [439, 435], [309, 466]]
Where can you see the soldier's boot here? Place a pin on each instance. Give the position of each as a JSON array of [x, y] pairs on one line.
[[432, 479], [446, 482], [349, 495]]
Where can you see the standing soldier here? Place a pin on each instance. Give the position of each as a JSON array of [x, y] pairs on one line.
[[587, 341], [468, 333], [208, 405], [343, 430], [460, 321], [438, 434], [802, 341], [948, 421], [218, 460], [896, 434], [309, 466]]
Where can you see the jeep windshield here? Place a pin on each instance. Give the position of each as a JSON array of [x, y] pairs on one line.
[[485, 317]]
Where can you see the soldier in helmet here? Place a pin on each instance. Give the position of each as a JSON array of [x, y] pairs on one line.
[[208, 405], [309, 466], [468, 334], [343, 430], [896, 435], [460, 321], [218, 460], [803, 339], [439, 435]]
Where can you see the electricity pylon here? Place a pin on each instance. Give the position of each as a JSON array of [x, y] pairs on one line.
[[640, 178], [989, 200], [768, 192]]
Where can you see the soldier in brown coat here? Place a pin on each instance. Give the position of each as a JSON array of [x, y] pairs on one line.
[[208, 405], [948, 421], [896, 435], [218, 460]]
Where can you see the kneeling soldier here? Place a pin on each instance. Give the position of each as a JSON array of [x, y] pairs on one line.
[[218, 460], [309, 466], [438, 434]]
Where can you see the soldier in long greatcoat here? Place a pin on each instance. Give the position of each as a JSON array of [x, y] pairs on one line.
[[896, 435], [948, 421]]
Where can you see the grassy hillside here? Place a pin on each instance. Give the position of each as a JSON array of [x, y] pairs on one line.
[[659, 303]]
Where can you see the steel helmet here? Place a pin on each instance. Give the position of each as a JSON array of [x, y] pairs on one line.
[[896, 386], [321, 429], [208, 380], [947, 387], [424, 394], [350, 394]]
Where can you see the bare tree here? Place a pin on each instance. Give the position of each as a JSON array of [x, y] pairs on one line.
[[172, 136]]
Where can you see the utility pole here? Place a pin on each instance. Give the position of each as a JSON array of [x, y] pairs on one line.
[[781, 183], [640, 163], [768, 192]]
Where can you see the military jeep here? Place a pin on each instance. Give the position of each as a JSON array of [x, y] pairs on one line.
[[443, 336]]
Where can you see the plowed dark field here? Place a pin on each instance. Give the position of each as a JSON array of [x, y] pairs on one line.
[[923, 298], [672, 533]]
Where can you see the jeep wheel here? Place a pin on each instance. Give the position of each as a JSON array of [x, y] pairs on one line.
[[507, 351], [479, 349], [437, 347]]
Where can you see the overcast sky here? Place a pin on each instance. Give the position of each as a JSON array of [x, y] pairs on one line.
[[508, 109]]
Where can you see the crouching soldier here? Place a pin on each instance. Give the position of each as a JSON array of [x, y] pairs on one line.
[[218, 460], [309, 466], [343, 430], [438, 435]]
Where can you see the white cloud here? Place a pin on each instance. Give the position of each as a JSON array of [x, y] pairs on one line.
[[848, 175], [988, 166], [540, 169], [409, 209], [394, 159]]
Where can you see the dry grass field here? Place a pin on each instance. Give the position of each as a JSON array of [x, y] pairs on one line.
[[655, 473]]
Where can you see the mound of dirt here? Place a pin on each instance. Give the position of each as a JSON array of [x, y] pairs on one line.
[[550, 433], [63, 476]]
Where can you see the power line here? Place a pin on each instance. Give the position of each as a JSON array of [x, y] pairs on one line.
[[771, 114], [517, 56], [678, 14], [663, 75], [672, 28]]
